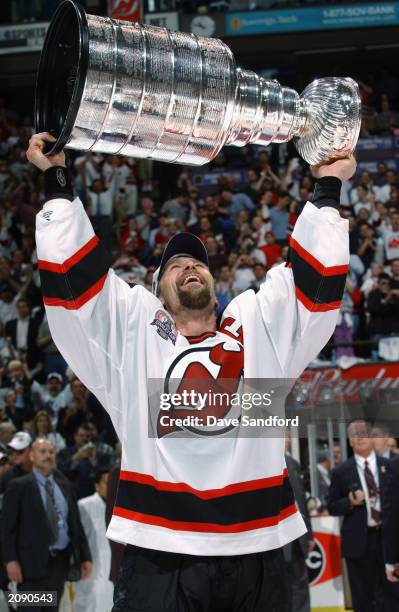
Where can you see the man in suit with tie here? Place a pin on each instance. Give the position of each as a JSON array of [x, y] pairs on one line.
[[43, 540], [360, 491], [23, 332]]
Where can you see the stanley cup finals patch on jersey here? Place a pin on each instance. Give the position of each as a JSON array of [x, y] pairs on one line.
[[165, 326]]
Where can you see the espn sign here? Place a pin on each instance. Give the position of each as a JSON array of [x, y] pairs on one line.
[[127, 10]]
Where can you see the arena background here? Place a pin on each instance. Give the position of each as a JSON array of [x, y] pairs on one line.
[[294, 42]]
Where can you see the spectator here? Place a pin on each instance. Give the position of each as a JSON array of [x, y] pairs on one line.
[[19, 378], [380, 437], [217, 259], [337, 453], [13, 414], [395, 275], [243, 275], [52, 396], [101, 202], [391, 180], [390, 237], [146, 220], [260, 275], [279, 217], [19, 456], [370, 279], [224, 288], [383, 306], [79, 461], [393, 446], [76, 411], [360, 492], [272, 250], [177, 207], [323, 476], [43, 428], [236, 202], [5, 464], [7, 431], [369, 245], [41, 528], [96, 593], [52, 358], [23, 332]]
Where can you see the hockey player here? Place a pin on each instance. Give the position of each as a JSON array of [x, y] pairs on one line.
[[204, 517]]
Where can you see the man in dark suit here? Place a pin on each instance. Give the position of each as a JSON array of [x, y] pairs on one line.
[[19, 457], [23, 332], [43, 540], [360, 491], [295, 552], [391, 532]]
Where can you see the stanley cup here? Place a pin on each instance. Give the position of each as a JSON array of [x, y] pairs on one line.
[[137, 90]]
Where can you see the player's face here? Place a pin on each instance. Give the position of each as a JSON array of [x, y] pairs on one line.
[[187, 282]]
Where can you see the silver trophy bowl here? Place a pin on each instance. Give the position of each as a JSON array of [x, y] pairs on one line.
[[141, 91]]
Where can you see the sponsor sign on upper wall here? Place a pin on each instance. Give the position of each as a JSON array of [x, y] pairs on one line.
[[319, 18]]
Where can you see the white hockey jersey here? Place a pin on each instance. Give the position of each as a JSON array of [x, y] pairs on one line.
[[196, 495]]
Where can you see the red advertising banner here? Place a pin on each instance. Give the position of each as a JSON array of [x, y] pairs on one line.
[[127, 10], [348, 384]]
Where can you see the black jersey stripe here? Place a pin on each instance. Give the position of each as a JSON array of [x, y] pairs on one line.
[[77, 280], [317, 287], [179, 506]]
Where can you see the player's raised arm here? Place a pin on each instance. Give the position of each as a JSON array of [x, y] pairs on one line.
[[300, 301], [87, 305]]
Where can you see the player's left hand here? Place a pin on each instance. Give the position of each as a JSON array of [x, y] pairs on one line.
[[343, 169], [36, 156]]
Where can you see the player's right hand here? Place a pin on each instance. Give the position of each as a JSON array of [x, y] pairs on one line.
[[343, 169], [35, 153], [14, 572]]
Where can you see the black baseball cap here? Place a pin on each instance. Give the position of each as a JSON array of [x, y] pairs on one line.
[[180, 245]]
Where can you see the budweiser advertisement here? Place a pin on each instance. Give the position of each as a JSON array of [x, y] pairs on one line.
[[366, 390]]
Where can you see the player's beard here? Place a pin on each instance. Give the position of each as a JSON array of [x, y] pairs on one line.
[[194, 298]]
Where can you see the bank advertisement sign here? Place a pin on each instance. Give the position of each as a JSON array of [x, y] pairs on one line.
[[376, 14]]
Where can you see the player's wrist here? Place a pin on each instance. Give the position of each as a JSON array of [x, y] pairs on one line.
[[58, 183], [327, 192]]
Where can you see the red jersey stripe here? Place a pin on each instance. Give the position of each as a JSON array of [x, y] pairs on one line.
[[71, 261], [323, 270], [181, 487], [204, 527], [77, 303]]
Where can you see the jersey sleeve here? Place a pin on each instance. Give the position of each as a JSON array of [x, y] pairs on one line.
[[88, 307], [299, 302]]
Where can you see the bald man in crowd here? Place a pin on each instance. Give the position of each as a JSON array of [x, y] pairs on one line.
[[43, 540]]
